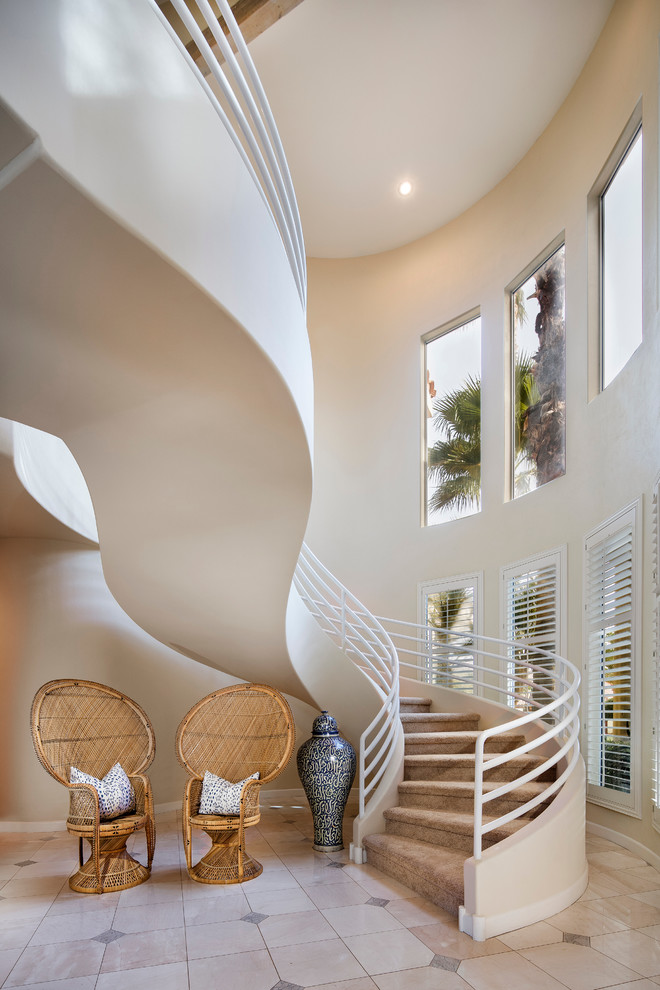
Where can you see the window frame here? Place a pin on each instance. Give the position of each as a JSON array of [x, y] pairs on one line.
[[595, 371], [630, 804], [473, 580], [428, 338]]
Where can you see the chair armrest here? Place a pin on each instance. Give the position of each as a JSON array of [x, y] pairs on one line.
[[83, 805], [193, 796], [250, 798], [143, 796]]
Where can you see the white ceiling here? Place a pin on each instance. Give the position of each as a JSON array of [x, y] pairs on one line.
[[447, 93]]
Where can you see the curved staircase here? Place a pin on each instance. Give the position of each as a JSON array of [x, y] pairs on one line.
[[430, 833]]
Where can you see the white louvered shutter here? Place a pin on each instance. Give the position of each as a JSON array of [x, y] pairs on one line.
[[532, 613], [611, 641], [655, 741]]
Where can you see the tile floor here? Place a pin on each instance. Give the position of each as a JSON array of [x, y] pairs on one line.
[[309, 921]]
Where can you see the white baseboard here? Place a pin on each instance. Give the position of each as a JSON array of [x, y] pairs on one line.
[[623, 840]]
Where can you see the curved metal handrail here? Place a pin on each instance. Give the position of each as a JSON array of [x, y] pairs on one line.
[[365, 641], [248, 120], [541, 685]]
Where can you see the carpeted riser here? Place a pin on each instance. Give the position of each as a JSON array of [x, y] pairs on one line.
[[410, 709], [452, 802], [441, 837], [455, 743], [431, 885], [430, 724], [458, 772]]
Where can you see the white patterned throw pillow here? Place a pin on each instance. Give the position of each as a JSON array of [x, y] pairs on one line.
[[220, 796], [116, 794]]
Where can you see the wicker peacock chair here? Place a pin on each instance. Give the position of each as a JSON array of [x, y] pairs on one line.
[[231, 733], [91, 727]]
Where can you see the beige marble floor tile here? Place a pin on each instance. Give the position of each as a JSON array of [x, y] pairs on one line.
[[8, 959], [68, 902], [214, 909], [72, 927], [580, 919], [245, 970], [145, 949], [579, 967], [16, 934], [445, 939], [505, 972], [294, 929], [415, 911], [151, 893], [272, 880], [632, 911], [193, 891], [24, 909], [427, 978], [286, 901], [299, 965], [603, 885], [647, 872], [361, 919], [33, 886], [222, 939], [653, 931], [637, 985], [376, 883], [386, 952], [168, 914], [648, 897], [57, 962], [8, 871], [611, 860], [75, 983], [337, 895], [633, 949], [324, 875], [363, 983], [542, 933], [631, 883], [173, 976]]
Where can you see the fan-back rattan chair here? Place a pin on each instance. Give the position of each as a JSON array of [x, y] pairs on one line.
[[231, 733], [92, 727]]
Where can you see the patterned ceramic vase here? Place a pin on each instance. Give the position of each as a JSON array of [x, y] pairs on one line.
[[326, 767]]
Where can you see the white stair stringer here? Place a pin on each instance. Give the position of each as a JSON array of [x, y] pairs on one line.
[[150, 319]]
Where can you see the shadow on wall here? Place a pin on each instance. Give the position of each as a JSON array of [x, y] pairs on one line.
[[60, 620]]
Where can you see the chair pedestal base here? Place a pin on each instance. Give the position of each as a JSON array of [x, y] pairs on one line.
[[221, 863], [119, 870]]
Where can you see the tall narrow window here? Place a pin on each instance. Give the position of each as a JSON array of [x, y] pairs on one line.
[[621, 261], [533, 593], [451, 608], [538, 401], [611, 665], [452, 421]]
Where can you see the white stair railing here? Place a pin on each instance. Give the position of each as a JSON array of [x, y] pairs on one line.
[[538, 685], [247, 116], [363, 639]]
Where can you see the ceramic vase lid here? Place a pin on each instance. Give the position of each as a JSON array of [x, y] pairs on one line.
[[324, 725]]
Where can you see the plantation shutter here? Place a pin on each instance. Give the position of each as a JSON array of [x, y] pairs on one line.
[[532, 607], [452, 604], [655, 742], [610, 616]]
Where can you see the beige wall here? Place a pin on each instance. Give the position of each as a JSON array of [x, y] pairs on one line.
[[58, 619], [366, 317]]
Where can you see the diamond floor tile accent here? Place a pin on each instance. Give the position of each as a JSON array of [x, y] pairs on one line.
[[254, 918], [282, 985], [26, 862], [336, 866], [445, 962], [110, 936], [577, 939], [378, 901]]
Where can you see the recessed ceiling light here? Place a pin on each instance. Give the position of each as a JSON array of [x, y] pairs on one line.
[[405, 188]]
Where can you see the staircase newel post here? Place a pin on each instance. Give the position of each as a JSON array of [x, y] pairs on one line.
[[478, 793]]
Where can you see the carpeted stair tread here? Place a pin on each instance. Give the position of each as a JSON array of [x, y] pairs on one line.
[[465, 738], [451, 821], [465, 759], [411, 717], [415, 701], [433, 871], [465, 788]]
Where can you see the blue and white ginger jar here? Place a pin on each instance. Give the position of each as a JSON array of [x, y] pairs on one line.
[[326, 767]]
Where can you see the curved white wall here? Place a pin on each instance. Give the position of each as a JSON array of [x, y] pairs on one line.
[[366, 317]]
